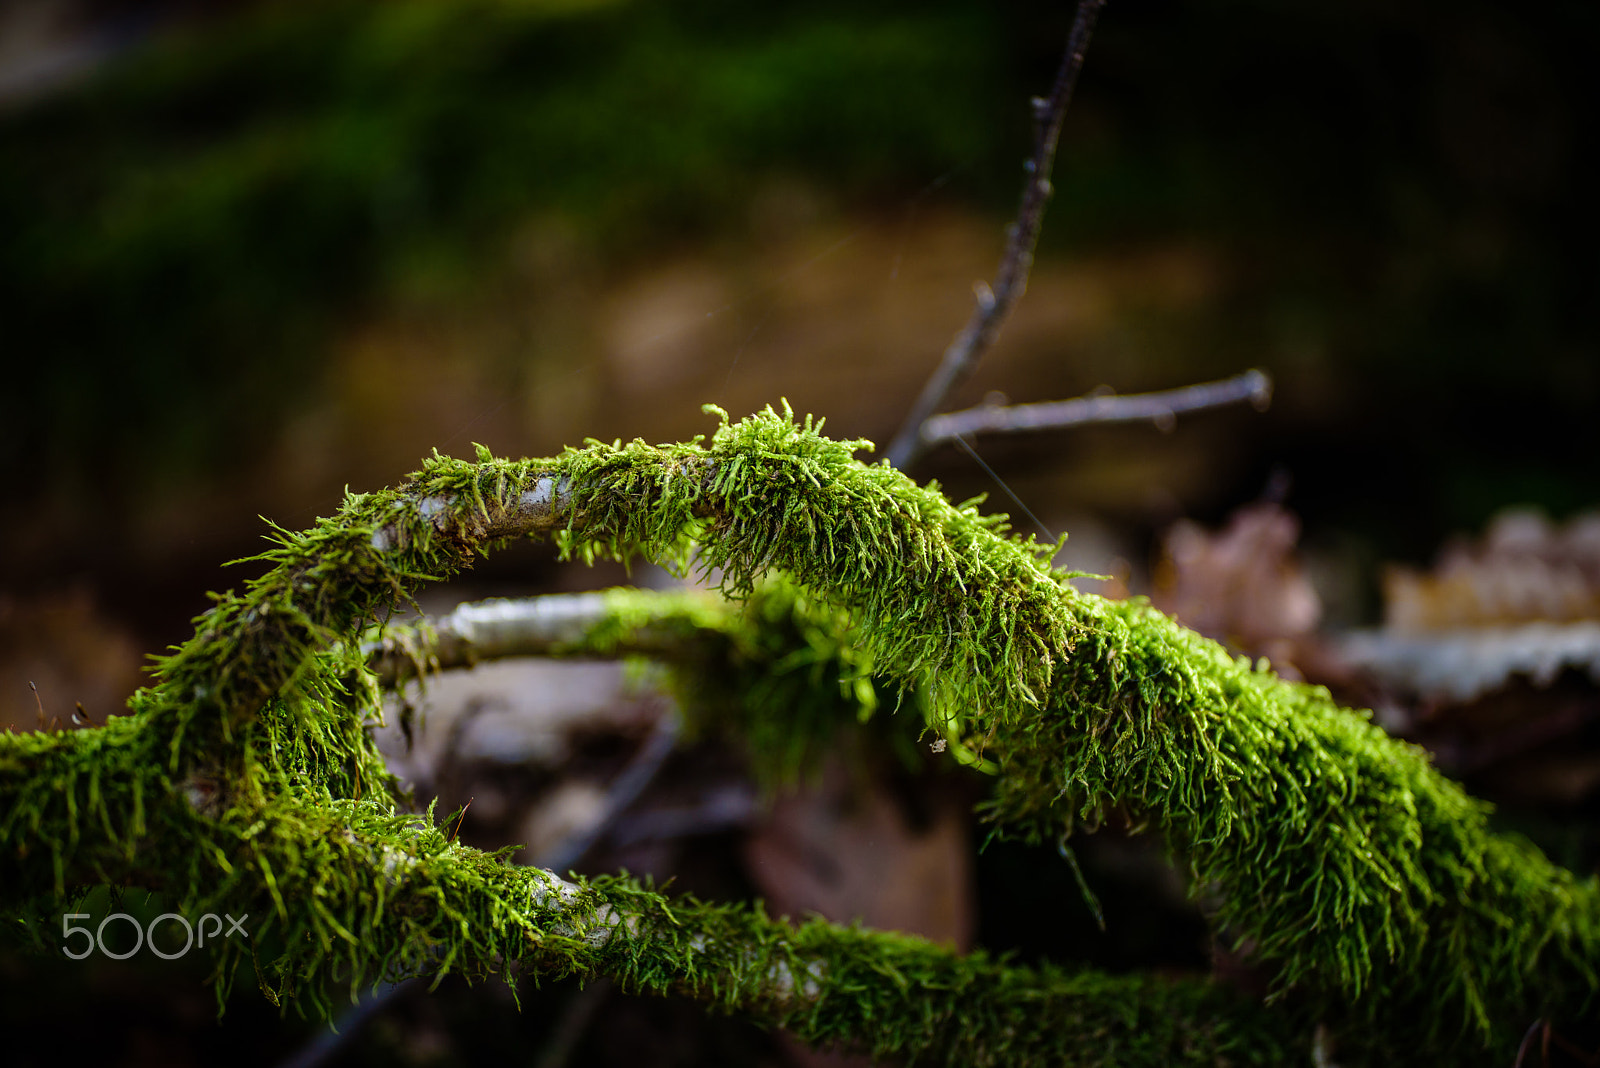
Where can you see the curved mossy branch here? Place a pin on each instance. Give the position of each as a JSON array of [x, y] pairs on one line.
[[1283, 893], [346, 894], [1367, 881]]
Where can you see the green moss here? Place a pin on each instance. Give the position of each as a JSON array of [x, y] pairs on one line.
[[1368, 885]]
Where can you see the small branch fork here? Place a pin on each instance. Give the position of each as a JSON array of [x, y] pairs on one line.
[[1011, 280], [923, 430]]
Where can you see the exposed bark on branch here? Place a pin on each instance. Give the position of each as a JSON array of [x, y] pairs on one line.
[[553, 624]]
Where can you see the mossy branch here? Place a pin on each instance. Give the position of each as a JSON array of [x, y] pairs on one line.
[[1370, 885]]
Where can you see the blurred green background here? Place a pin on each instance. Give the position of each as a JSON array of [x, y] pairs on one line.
[[253, 254]]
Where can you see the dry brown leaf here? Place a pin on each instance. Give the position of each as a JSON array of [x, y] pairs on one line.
[[845, 848], [1242, 585], [1525, 569]]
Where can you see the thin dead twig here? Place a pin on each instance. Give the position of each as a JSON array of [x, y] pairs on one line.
[[1160, 408], [623, 791], [995, 302]]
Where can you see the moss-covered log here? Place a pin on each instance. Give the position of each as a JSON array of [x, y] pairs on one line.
[[1369, 885]]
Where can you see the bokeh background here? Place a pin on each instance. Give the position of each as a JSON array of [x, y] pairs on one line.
[[253, 254]]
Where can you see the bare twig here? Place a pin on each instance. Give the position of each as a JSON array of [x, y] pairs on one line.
[[620, 795], [1003, 485], [1522, 1049], [441, 777], [724, 807], [1159, 408], [1571, 1048], [1011, 280], [500, 629]]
